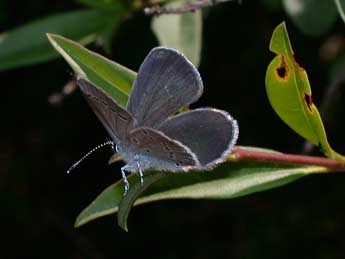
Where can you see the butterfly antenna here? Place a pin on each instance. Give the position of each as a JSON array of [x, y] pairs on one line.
[[113, 146], [111, 143]]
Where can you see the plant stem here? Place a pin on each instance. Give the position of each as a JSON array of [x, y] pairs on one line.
[[247, 154]]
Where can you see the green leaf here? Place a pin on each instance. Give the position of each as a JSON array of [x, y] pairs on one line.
[[289, 93], [114, 78], [28, 45], [340, 7], [134, 192], [113, 6], [230, 180], [312, 17], [181, 32]]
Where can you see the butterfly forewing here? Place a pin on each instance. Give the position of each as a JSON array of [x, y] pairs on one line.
[[166, 82], [117, 121], [209, 133], [155, 144]]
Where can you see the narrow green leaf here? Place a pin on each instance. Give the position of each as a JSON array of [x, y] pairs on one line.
[[114, 78], [134, 192], [28, 44], [112, 6], [312, 17], [227, 181], [105, 203], [289, 93], [181, 32], [340, 7]]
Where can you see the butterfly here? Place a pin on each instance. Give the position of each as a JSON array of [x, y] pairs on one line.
[[149, 134]]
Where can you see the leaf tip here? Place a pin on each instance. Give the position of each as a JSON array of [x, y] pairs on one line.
[[79, 221], [123, 225], [280, 43], [56, 41], [77, 224], [51, 37]]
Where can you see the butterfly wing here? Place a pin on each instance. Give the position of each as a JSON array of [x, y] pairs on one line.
[[166, 82], [209, 133], [117, 121], [163, 152]]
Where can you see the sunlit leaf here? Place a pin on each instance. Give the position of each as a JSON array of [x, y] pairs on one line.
[[180, 31], [230, 180], [28, 44], [312, 17], [114, 78], [289, 93]]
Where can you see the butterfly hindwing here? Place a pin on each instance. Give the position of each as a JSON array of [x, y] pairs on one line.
[[209, 133], [172, 154]]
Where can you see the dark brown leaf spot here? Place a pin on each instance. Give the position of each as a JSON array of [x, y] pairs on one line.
[[308, 101], [300, 68], [283, 70]]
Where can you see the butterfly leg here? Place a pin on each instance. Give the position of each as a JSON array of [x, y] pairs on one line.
[[140, 173], [125, 180], [114, 147]]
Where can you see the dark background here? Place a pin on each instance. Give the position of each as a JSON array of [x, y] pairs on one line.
[[39, 141]]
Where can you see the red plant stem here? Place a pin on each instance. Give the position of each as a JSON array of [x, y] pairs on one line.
[[243, 154]]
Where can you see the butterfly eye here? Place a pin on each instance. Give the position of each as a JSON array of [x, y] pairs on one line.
[[147, 150], [178, 164]]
